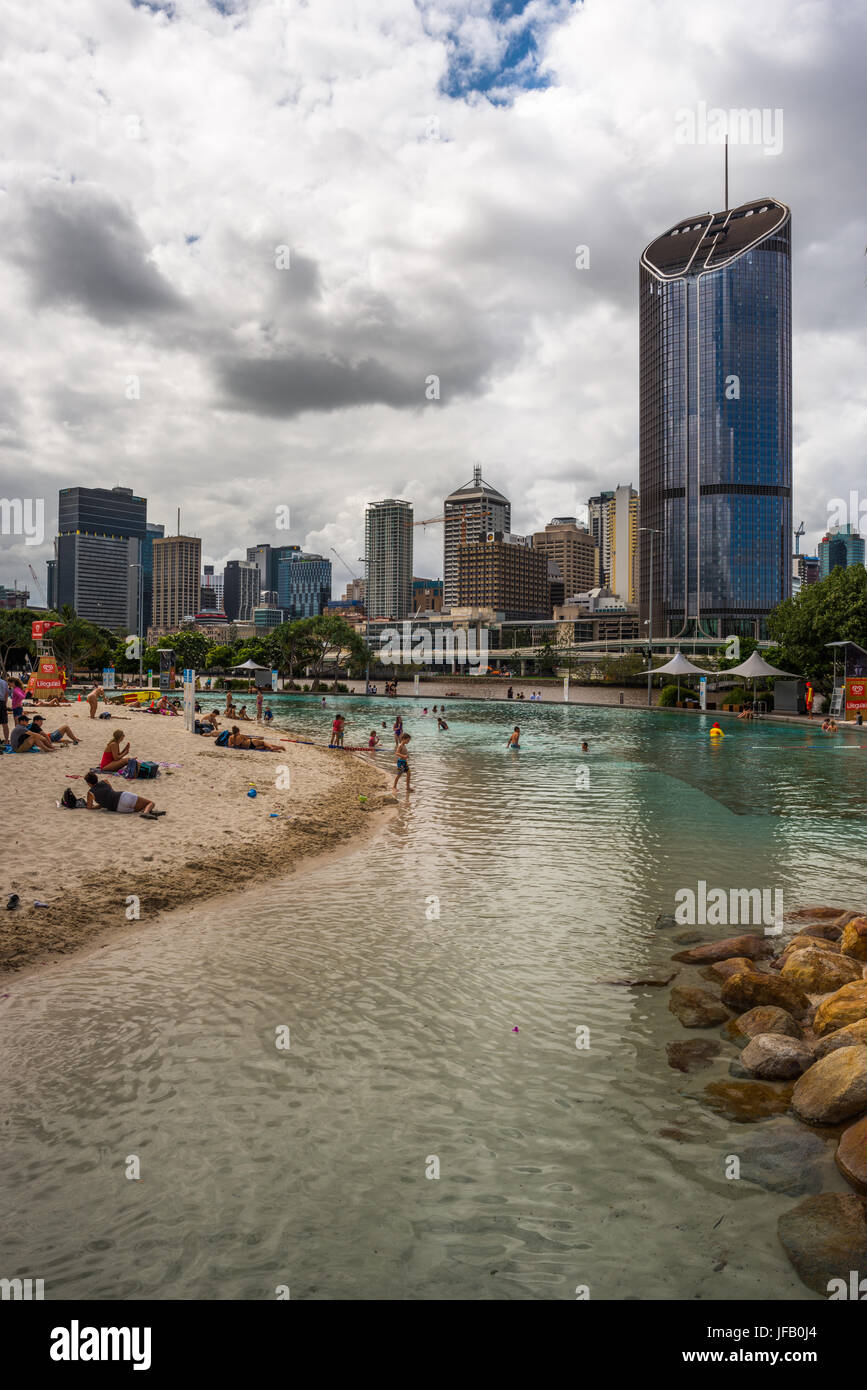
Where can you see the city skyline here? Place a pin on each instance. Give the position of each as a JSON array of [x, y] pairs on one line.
[[153, 342]]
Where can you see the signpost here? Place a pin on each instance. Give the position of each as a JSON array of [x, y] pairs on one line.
[[415, 681], [566, 688], [702, 692], [274, 678], [108, 677], [189, 700]]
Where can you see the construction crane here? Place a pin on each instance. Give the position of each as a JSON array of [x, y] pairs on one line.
[[798, 534], [343, 562], [40, 591]]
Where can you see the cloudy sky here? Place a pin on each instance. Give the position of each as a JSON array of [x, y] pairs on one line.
[[238, 238]]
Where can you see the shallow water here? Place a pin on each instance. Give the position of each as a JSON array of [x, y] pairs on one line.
[[307, 1167]]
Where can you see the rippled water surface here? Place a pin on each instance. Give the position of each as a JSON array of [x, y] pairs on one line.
[[307, 1166]]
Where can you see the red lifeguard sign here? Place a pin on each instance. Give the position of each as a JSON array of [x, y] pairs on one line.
[[39, 628], [856, 694]]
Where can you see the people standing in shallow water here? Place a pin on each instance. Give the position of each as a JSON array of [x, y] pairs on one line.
[[515, 738], [402, 760], [397, 730]]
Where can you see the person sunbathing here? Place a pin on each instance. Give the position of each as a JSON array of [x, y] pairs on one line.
[[102, 796], [239, 740], [63, 735], [22, 740], [115, 756]]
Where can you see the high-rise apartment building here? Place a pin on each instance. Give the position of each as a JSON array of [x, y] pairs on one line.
[[505, 573], [599, 522], [97, 554], [623, 543], [716, 421], [388, 544], [240, 590], [839, 548], [177, 570], [573, 550], [474, 510], [260, 555]]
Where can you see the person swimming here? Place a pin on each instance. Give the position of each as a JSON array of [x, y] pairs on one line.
[[515, 738], [585, 746]]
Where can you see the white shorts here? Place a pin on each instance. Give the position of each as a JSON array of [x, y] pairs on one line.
[[127, 802]]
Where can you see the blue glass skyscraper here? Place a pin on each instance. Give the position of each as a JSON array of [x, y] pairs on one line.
[[303, 585], [716, 421]]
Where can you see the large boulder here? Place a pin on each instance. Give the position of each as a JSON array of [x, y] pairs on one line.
[[819, 972], [834, 1088], [692, 1055], [766, 1019], [696, 1008], [752, 946], [745, 1101], [721, 969], [749, 988], [850, 1036], [851, 1154], [803, 940], [825, 1237], [853, 942], [774, 1057], [846, 1005]]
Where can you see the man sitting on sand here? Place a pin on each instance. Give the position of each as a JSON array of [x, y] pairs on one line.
[[239, 740], [213, 719], [102, 796], [63, 735], [22, 739]]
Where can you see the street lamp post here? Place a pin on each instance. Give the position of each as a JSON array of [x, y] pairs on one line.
[[653, 531], [136, 565]]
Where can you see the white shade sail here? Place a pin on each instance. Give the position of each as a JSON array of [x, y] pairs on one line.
[[755, 666], [679, 666]]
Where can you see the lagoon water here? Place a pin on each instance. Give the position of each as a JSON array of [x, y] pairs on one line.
[[306, 1167]]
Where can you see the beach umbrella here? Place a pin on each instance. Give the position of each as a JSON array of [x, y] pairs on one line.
[[250, 666], [755, 667], [679, 665]]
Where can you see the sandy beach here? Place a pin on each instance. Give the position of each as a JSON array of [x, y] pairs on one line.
[[214, 838]]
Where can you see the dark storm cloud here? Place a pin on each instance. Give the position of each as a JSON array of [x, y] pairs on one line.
[[80, 246], [286, 386]]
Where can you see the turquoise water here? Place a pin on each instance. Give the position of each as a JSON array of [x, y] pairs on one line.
[[307, 1167]]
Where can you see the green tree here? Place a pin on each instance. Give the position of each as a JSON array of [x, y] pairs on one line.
[[290, 647], [329, 633], [834, 610], [15, 641], [190, 649]]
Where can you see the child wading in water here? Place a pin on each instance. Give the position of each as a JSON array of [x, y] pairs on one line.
[[402, 762]]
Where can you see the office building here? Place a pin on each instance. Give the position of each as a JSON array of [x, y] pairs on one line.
[[355, 591], [806, 569], [572, 549], [715, 446], [388, 544], [97, 553], [265, 617], [504, 573], [260, 556], [839, 548], [473, 510], [303, 584], [177, 572], [427, 595], [240, 590], [51, 583]]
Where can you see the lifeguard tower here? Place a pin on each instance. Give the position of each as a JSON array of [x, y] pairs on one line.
[[49, 679]]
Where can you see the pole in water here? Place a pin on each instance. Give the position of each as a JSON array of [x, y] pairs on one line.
[[727, 173]]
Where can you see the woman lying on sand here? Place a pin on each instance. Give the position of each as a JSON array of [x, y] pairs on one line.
[[103, 797]]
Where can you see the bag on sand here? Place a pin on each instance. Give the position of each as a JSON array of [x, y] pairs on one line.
[[130, 769], [222, 739], [69, 799], [148, 769]]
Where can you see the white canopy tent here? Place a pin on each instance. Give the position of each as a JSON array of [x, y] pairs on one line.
[[679, 665], [756, 668]]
